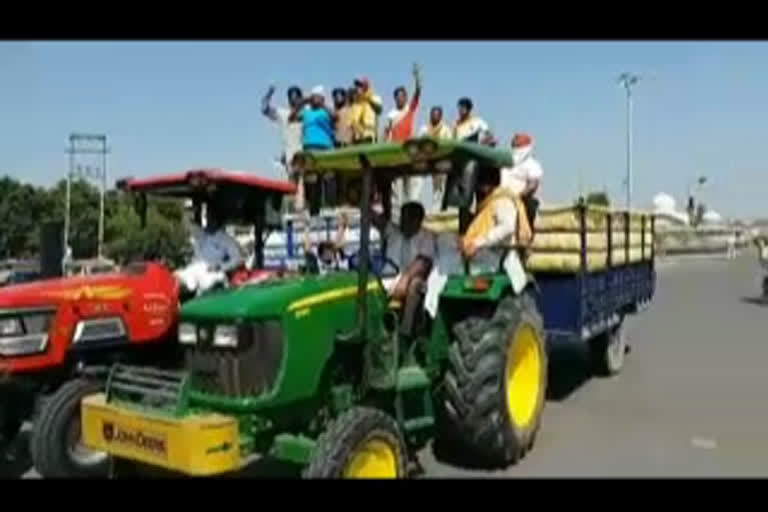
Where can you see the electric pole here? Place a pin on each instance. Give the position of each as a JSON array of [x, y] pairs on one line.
[[627, 80], [80, 145]]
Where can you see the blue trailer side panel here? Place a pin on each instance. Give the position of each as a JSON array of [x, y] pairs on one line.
[[580, 305]]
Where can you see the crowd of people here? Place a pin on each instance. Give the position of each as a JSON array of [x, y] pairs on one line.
[[505, 198], [308, 123]]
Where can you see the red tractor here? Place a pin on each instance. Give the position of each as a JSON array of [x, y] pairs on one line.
[[59, 337]]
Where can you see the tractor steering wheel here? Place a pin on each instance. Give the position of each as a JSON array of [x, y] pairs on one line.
[[377, 263]]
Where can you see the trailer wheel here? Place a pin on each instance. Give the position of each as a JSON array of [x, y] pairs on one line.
[[57, 450], [608, 351], [495, 385], [765, 287], [360, 443]]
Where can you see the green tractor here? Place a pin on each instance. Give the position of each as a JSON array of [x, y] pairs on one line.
[[313, 370]]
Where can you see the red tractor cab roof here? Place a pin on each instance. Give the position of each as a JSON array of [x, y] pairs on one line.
[[204, 182], [241, 197]]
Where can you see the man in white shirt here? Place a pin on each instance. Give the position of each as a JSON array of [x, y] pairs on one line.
[[215, 254], [524, 177], [291, 135], [486, 250], [413, 249]]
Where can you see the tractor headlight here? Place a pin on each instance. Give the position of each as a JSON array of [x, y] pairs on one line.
[[11, 327], [225, 336], [187, 334], [23, 345]]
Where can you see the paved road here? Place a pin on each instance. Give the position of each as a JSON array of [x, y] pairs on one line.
[[690, 402]]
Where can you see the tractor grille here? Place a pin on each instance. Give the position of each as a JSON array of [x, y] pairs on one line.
[[249, 369]]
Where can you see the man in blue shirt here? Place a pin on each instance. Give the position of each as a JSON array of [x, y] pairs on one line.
[[317, 135], [317, 121]]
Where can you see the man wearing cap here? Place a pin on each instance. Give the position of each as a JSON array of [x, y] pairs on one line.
[[317, 135], [524, 177], [366, 109], [317, 121]]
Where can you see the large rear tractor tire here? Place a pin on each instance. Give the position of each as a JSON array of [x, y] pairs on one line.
[[10, 424], [495, 385], [360, 443], [608, 352], [57, 450]]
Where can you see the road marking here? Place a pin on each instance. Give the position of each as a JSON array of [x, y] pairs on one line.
[[703, 443]]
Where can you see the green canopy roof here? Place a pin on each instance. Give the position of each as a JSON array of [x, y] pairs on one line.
[[403, 157]]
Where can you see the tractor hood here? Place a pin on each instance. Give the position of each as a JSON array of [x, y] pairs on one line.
[[262, 300], [52, 292]]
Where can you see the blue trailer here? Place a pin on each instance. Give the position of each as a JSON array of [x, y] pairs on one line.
[[589, 305]]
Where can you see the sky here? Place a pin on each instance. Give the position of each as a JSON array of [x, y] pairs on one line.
[[699, 109]]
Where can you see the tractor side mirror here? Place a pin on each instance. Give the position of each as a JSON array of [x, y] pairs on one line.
[[460, 186]]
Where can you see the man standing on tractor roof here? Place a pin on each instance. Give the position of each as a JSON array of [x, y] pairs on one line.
[[216, 253], [291, 133], [317, 135], [438, 129], [524, 177], [470, 127], [399, 128], [342, 106], [366, 109]]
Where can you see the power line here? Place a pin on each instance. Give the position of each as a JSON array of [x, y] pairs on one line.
[[87, 144]]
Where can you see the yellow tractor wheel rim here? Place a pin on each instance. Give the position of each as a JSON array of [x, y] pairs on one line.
[[523, 377], [373, 459]]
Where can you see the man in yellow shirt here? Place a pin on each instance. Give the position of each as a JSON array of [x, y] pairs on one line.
[[366, 109], [438, 129]]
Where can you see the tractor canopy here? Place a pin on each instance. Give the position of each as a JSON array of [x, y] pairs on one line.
[[241, 196], [459, 161]]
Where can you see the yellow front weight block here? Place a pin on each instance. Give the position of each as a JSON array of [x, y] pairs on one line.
[[196, 445]]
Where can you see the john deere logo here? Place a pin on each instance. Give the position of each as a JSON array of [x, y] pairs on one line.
[[109, 432], [152, 443]]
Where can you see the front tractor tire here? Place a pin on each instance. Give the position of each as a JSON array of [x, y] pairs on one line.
[[55, 443], [495, 384], [360, 443]]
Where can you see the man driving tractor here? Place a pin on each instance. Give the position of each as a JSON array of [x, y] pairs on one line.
[[413, 249], [216, 253]]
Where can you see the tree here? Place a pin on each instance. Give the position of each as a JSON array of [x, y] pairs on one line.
[[598, 199], [163, 238], [23, 208]]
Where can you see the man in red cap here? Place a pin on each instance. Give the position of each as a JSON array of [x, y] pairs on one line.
[[524, 177]]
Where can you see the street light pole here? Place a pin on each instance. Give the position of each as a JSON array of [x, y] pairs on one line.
[[627, 80]]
